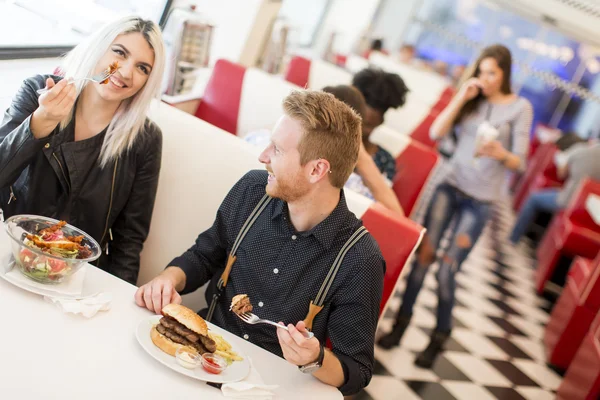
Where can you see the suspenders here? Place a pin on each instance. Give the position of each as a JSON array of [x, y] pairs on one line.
[[262, 204], [317, 304]]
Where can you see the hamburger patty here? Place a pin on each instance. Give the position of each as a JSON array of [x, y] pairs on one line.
[[188, 334], [174, 325], [180, 339], [209, 344]]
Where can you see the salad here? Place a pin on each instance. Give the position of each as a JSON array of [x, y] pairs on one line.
[[53, 242]]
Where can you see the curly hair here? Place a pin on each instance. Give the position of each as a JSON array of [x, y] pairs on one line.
[[381, 90]]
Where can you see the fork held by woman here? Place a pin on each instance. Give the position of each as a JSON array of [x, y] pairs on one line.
[[104, 75]]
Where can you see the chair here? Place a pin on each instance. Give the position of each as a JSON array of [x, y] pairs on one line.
[[574, 312], [572, 232]]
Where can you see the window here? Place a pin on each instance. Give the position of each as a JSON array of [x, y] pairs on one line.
[[34, 27]]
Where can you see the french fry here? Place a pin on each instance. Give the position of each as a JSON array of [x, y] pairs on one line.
[[224, 349], [230, 355]]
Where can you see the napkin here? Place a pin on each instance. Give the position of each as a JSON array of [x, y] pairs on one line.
[[88, 307], [251, 388], [71, 286]]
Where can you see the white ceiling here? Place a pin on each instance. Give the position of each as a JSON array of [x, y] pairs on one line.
[[579, 19]]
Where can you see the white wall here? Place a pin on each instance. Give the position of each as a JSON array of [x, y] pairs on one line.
[[13, 72], [234, 21], [350, 19], [392, 21], [303, 17]]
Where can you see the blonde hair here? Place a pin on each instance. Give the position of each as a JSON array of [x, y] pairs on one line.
[[128, 122], [332, 131]]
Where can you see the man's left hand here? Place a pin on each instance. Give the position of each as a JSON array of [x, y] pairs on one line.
[[297, 349]]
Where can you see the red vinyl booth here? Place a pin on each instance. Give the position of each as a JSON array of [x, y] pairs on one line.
[[395, 250], [421, 132], [540, 174], [298, 71], [582, 380], [572, 232], [574, 312], [220, 107], [413, 168]]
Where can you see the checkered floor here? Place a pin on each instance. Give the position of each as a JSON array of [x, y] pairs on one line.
[[496, 349]]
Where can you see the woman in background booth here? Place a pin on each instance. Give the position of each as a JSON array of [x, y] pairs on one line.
[[382, 91], [366, 179], [85, 152], [492, 128]]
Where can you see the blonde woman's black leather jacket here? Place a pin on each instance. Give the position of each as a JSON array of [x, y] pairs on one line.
[[112, 204]]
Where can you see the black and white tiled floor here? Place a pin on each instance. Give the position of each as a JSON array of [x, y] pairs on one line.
[[496, 349]]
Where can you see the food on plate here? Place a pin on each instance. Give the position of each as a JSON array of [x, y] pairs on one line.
[[224, 348], [213, 364], [112, 68], [187, 358], [54, 242], [181, 327], [240, 304]]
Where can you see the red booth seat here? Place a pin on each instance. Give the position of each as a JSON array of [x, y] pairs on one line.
[[315, 74], [582, 380], [540, 174], [574, 312], [415, 163], [572, 233]]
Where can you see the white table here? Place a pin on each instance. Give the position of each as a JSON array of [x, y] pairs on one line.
[[47, 354], [592, 205]]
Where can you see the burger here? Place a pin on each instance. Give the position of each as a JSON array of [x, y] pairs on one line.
[[182, 327], [240, 304]]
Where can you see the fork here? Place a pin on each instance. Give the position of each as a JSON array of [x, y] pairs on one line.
[[252, 319], [96, 78]]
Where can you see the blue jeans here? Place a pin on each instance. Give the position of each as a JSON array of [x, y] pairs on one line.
[[471, 217], [544, 200]]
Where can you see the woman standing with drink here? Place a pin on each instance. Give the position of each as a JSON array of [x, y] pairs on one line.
[[491, 125]]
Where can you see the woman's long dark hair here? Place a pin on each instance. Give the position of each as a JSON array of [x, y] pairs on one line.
[[504, 59]]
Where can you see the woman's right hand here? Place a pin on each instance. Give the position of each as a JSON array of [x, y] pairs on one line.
[[470, 89], [57, 102], [54, 106]]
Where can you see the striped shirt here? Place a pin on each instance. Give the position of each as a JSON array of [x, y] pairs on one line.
[[484, 178]]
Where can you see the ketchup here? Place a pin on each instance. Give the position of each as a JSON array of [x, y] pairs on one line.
[[211, 367]]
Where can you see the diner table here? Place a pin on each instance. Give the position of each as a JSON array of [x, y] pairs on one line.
[[46, 353]]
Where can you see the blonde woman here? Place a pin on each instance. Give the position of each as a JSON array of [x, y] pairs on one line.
[[86, 152]]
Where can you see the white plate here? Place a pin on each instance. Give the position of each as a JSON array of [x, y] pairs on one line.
[[86, 292], [237, 371]]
